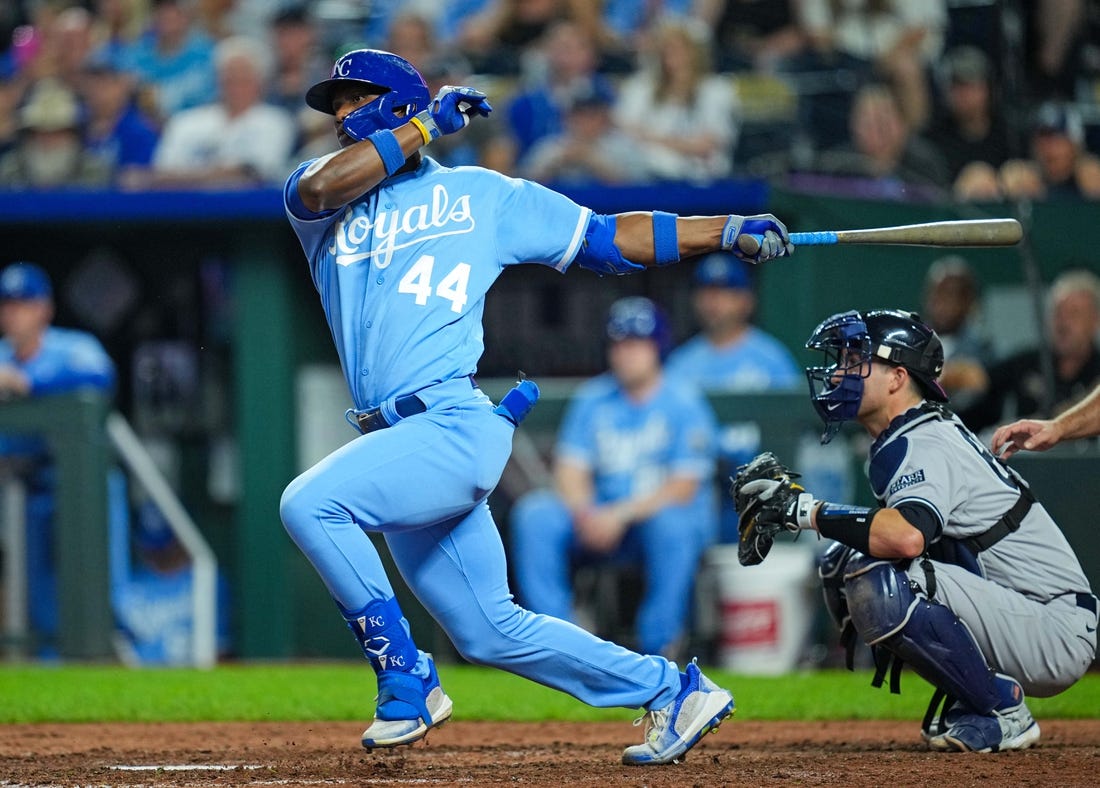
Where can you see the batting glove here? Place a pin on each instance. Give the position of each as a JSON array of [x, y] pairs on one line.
[[755, 239], [451, 110]]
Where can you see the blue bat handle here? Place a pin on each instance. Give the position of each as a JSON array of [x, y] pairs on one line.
[[823, 238]]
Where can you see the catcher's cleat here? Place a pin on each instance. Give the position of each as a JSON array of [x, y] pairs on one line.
[[408, 707], [1010, 726], [674, 729]]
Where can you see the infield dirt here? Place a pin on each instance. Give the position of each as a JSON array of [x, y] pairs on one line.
[[747, 753]]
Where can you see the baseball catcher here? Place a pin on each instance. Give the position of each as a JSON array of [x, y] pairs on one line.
[[955, 563]]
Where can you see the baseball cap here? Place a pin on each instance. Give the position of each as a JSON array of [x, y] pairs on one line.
[[50, 107], [723, 270], [24, 282], [966, 64], [1056, 117]]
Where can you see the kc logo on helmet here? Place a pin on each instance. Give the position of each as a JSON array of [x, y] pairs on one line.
[[342, 67]]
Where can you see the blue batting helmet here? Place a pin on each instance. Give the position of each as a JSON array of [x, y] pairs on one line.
[[402, 85], [892, 336], [24, 282], [640, 318]]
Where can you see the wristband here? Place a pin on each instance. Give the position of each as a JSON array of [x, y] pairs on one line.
[[850, 525], [389, 150], [429, 129], [804, 511], [666, 243], [427, 135]]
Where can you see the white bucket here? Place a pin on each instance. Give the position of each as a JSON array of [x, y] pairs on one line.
[[766, 612]]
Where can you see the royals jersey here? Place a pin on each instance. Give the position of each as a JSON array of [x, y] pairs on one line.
[[633, 447], [402, 271], [932, 460], [757, 362]]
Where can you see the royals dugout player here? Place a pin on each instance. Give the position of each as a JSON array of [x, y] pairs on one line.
[[959, 571], [402, 252]]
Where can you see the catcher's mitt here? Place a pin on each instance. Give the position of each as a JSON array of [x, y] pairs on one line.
[[767, 501]]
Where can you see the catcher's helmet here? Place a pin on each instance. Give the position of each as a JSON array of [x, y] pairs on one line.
[[639, 317], [896, 337], [402, 85]]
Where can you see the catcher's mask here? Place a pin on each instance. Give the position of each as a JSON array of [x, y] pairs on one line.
[[402, 87], [850, 340]]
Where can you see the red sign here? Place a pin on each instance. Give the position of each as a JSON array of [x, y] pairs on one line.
[[750, 624]]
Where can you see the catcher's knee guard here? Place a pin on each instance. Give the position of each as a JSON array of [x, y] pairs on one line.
[[831, 568], [888, 613]]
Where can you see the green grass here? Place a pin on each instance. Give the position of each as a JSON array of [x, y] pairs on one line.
[[344, 691]]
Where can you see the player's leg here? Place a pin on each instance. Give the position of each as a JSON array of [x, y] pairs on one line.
[[891, 614], [1059, 647], [410, 700], [458, 572], [541, 539], [670, 544]]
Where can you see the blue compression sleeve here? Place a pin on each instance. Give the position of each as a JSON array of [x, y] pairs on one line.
[[666, 243]]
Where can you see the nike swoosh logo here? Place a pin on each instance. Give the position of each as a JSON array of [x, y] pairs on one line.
[[832, 406]]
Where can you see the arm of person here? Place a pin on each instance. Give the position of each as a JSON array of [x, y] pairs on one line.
[[1080, 421], [601, 528], [881, 532], [657, 238], [338, 178]]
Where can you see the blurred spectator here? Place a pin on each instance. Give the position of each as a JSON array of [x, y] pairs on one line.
[[1059, 166], [215, 17], [412, 37], [730, 353], [632, 469], [1016, 388], [299, 61], [49, 151], [682, 115], [951, 308], [626, 24], [116, 133], [1054, 33], [236, 141], [496, 39], [752, 35], [11, 94], [36, 359], [893, 41], [71, 39], [175, 60], [883, 153], [969, 126], [589, 150], [117, 25], [566, 67]]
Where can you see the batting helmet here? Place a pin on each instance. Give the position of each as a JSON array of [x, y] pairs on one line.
[[896, 337], [401, 85], [641, 318]]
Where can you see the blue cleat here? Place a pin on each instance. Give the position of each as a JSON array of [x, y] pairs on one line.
[[673, 730], [1009, 726], [408, 707]]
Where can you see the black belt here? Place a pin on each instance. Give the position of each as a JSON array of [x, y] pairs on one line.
[[373, 420]]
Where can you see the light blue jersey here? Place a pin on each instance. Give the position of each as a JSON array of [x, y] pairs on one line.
[[631, 449], [757, 362], [403, 271]]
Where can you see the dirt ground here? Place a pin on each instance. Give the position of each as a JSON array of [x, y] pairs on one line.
[[848, 754]]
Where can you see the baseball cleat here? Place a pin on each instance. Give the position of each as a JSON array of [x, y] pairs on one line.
[[674, 729], [1008, 727], [408, 707]]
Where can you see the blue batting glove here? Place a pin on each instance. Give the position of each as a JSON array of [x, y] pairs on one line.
[[451, 110], [755, 239]]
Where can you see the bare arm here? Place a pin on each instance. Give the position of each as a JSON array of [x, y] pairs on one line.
[[696, 234], [339, 178], [1080, 421]]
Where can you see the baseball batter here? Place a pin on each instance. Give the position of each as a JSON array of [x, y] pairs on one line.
[[402, 252], [959, 572]]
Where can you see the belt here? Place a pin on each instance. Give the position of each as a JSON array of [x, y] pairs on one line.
[[410, 405], [373, 420]]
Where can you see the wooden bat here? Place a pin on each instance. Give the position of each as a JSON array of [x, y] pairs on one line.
[[962, 232]]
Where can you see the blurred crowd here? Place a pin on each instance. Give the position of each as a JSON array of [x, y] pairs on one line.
[[973, 100]]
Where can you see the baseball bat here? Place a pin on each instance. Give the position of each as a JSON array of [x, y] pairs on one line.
[[961, 232]]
